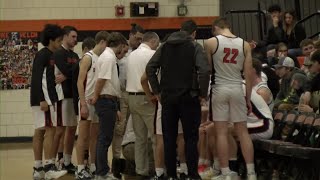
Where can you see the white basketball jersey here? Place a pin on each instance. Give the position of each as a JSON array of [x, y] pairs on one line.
[[90, 80], [228, 60], [260, 111], [270, 103]]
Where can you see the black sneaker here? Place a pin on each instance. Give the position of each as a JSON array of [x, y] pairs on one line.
[[84, 174], [183, 176], [70, 168], [38, 173]]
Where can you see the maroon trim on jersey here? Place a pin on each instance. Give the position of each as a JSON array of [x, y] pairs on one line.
[[47, 117], [216, 48], [59, 113], [260, 129], [228, 36], [155, 119]]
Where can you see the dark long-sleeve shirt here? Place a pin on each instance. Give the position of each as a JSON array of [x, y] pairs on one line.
[[43, 79], [65, 60], [200, 83]]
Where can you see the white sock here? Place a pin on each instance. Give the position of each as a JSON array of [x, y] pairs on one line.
[[159, 171], [216, 164], [250, 169], [93, 167], [184, 168], [201, 161], [67, 159], [80, 167], [225, 171], [37, 163], [48, 161]]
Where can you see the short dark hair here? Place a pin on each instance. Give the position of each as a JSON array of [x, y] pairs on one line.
[[149, 35], [221, 22], [88, 43], [189, 26], [316, 56], [115, 39], [274, 8], [317, 44], [306, 42], [68, 29], [50, 32], [281, 44], [257, 65], [101, 35], [136, 28]]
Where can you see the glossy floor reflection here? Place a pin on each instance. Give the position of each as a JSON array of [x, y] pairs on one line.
[[16, 161]]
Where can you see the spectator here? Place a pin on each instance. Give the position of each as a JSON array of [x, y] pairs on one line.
[[307, 47], [294, 33], [287, 98], [282, 51]]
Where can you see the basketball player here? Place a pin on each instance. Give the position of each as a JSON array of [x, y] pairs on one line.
[[87, 116], [229, 56], [64, 59], [43, 97]]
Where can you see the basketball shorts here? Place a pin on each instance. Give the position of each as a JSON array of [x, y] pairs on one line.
[[65, 115], [228, 103], [43, 118]]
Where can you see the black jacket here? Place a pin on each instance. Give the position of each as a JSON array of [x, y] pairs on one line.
[[295, 37], [42, 78], [65, 60], [184, 67]]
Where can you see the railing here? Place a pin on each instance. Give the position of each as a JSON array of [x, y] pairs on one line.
[[248, 24], [311, 24]]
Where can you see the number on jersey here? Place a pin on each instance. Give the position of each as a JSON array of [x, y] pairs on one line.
[[230, 52]]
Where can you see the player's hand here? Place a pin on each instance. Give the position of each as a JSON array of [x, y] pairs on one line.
[[44, 106], [153, 99], [119, 116], [60, 78], [203, 101], [253, 44], [84, 112], [249, 107], [93, 100], [158, 97], [305, 108]]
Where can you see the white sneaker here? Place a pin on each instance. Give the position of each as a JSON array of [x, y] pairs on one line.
[[252, 177], [209, 173], [55, 174], [38, 173], [108, 176], [230, 176]]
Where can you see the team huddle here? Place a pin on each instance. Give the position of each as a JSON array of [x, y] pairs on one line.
[[150, 101]]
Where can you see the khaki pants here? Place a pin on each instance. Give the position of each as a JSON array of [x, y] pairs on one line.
[[142, 111]]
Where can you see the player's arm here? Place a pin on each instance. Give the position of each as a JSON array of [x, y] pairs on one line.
[[264, 93], [62, 64], [84, 66], [209, 46], [247, 71], [152, 69]]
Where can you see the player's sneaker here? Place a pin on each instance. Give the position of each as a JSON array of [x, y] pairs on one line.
[[51, 172], [70, 168], [84, 174], [38, 173], [108, 176], [230, 176], [159, 177], [202, 168], [209, 173]]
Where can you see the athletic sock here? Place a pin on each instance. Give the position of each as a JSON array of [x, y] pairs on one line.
[[67, 159]]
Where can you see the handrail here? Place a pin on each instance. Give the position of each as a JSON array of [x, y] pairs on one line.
[[307, 18], [262, 29]]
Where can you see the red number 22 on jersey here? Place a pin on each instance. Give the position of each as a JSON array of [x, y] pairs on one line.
[[229, 51]]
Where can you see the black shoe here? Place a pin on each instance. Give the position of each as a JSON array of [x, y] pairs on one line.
[[172, 178], [158, 177], [195, 177], [84, 174], [142, 177], [70, 168], [183, 176], [116, 168]]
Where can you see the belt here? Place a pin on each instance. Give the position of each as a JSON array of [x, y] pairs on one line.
[[107, 96], [136, 93]]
